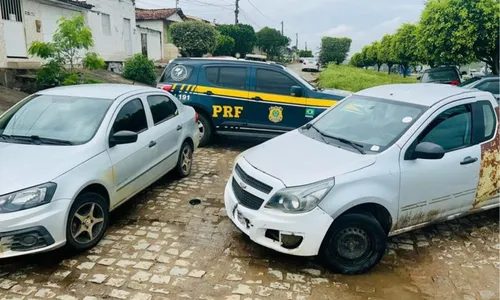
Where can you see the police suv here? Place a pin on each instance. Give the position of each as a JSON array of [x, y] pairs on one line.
[[241, 97]]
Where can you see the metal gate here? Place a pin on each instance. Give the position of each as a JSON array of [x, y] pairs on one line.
[[144, 44], [13, 28], [127, 36]]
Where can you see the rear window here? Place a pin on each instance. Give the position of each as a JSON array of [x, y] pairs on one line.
[[177, 73], [444, 75], [469, 81]]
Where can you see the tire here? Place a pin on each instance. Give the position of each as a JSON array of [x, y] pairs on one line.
[[205, 125], [81, 222], [185, 161], [361, 231]]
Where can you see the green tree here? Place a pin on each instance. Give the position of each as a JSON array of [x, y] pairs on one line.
[[357, 61], [404, 45], [71, 39], [387, 51], [243, 35], [458, 32], [368, 56], [139, 68], [194, 37], [225, 46], [377, 54], [272, 42], [334, 49], [306, 53]]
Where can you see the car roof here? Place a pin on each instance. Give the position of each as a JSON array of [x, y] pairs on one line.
[[205, 60], [99, 91], [440, 69], [426, 94]]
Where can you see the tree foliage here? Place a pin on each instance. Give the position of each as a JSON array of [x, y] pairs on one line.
[[272, 42], [225, 46], [139, 68], [305, 53], [357, 61], [334, 49], [194, 37], [70, 41], [404, 44], [387, 51], [244, 37]]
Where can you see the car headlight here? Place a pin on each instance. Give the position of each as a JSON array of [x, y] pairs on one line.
[[302, 198], [27, 198]]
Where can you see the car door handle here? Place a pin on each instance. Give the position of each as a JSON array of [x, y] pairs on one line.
[[257, 98], [179, 127], [209, 93], [468, 160], [152, 144]]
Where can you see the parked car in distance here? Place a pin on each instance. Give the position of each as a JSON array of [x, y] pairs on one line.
[[489, 83], [310, 64], [383, 161], [243, 97], [70, 155], [444, 75]]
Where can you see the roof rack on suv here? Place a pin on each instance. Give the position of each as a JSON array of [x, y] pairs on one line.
[[227, 59]]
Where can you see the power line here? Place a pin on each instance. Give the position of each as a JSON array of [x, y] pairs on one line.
[[249, 19], [223, 6], [260, 11]]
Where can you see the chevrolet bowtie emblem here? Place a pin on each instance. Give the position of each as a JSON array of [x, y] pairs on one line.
[[243, 185]]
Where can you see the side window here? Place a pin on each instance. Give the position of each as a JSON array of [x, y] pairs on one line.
[[228, 77], [162, 108], [451, 129], [490, 86], [131, 117], [490, 121], [178, 73], [273, 82]]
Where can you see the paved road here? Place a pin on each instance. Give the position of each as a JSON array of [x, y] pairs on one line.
[[160, 247], [307, 75]]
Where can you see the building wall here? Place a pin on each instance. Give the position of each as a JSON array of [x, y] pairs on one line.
[[154, 43], [113, 47], [153, 24]]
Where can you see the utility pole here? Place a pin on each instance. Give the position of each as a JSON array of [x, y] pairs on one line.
[[282, 32], [306, 46], [176, 4], [297, 41], [236, 12]]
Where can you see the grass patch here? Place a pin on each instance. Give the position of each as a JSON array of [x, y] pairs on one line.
[[355, 79]]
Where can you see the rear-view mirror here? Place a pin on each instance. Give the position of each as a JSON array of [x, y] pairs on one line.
[[296, 91], [428, 150], [123, 137]]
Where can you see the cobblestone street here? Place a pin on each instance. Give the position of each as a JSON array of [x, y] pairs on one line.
[[159, 246]]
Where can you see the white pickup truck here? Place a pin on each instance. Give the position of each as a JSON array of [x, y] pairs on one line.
[[383, 161]]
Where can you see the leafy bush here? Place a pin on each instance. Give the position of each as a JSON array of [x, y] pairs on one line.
[[194, 37], [243, 35], [306, 53], [334, 49], [50, 75], [354, 79], [139, 68], [92, 80], [225, 46], [71, 79]]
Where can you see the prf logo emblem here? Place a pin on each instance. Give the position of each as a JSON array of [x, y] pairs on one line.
[[275, 114]]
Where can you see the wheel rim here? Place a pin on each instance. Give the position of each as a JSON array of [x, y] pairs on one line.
[[186, 160], [353, 245], [201, 128], [87, 223]]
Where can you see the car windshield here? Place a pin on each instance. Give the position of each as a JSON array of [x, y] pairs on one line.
[[302, 80], [440, 75], [373, 124], [469, 81], [74, 120]]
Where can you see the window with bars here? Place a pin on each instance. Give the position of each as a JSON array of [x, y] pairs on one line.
[[11, 10]]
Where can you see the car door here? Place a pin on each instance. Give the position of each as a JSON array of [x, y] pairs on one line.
[[275, 108], [166, 130], [431, 189], [224, 90], [490, 85], [131, 162]]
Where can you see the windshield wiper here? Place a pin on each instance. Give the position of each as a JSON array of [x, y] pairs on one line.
[[42, 140], [310, 125], [359, 148]]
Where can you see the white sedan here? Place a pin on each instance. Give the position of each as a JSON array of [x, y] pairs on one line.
[[310, 64], [71, 155], [381, 162]]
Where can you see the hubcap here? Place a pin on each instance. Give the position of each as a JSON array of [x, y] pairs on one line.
[[87, 223], [353, 243], [201, 128], [186, 160]]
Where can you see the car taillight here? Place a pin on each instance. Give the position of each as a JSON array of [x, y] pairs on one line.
[[167, 87], [455, 82], [196, 119]]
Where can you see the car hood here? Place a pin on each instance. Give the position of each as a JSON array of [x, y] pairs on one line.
[[27, 165], [296, 159]]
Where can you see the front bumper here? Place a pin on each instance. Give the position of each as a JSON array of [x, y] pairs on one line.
[[47, 223], [270, 228]]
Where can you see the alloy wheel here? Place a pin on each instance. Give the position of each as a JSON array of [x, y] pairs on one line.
[[186, 160], [87, 223]]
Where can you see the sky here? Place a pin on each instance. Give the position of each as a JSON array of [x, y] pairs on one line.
[[364, 21]]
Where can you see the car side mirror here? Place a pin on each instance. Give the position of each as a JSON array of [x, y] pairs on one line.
[[428, 150], [296, 91], [123, 137]]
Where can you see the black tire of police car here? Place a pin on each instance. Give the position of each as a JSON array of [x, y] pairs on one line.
[[88, 214], [207, 130], [354, 244]]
